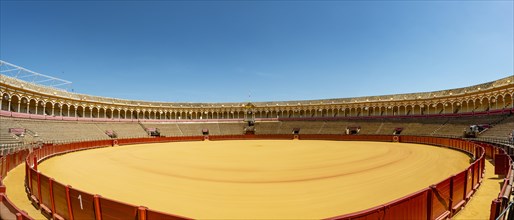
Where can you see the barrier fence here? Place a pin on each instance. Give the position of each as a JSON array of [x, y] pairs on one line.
[[503, 167], [61, 201]]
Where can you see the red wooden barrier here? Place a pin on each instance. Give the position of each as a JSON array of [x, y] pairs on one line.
[[60, 200], [477, 174], [469, 182], [45, 199], [413, 206], [495, 209], [34, 184], [370, 214], [459, 190], [501, 164], [152, 214], [441, 198], [82, 204], [117, 210]]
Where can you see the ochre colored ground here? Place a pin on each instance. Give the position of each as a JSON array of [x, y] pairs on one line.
[[262, 179]]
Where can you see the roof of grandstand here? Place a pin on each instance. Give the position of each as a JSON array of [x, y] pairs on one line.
[[21, 73]]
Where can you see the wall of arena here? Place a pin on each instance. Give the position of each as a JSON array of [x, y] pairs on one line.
[[438, 201], [24, 97]]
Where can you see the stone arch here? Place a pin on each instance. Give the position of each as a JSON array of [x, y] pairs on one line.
[[73, 111], [48, 108], [109, 113], [456, 107], [40, 107], [344, 111], [486, 104], [81, 111], [5, 101], [416, 110], [446, 108], [101, 112], [15, 103], [395, 110], [477, 105], [32, 106], [409, 110], [402, 110], [65, 110], [439, 108], [24, 105], [113, 113], [257, 114], [88, 113], [57, 109], [369, 111], [351, 112], [499, 102], [507, 99], [379, 110], [95, 112], [122, 113], [184, 115], [464, 106]]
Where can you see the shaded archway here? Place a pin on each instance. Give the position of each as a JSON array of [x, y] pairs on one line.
[[32, 106], [48, 108], [15, 103], [5, 102]]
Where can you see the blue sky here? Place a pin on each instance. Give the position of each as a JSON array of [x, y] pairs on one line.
[[220, 51]]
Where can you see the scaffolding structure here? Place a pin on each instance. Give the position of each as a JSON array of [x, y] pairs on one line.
[[11, 70]]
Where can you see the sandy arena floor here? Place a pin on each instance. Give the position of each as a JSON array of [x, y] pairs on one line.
[[262, 179]]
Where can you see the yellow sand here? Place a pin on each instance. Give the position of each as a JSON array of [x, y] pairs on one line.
[[257, 179]]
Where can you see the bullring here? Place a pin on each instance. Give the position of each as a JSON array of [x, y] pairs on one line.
[[47, 114]]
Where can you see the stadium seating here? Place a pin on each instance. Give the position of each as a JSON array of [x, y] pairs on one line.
[[166, 129], [52, 130], [5, 136], [231, 128], [123, 129], [500, 130]]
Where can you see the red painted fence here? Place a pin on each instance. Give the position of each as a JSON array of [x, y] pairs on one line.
[[502, 166], [59, 200]]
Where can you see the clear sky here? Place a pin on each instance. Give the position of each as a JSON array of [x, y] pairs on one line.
[[220, 51]]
